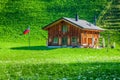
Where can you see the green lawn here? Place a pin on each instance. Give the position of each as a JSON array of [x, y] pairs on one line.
[[19, 62]]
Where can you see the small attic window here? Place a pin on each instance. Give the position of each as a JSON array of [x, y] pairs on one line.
[[64, 28]]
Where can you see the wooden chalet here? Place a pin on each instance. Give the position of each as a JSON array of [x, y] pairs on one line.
[[69, 32]]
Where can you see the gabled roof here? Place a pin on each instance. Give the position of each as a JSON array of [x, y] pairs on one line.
[[80, 23]]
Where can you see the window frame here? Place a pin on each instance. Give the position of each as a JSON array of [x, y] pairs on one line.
[[55, 40], [75, 39], [64, 28]]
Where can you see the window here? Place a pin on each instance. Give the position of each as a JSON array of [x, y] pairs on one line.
[[64, 28], [74, 39], [55, 40]]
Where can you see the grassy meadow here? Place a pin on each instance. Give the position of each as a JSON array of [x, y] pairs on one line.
[[20, 62]]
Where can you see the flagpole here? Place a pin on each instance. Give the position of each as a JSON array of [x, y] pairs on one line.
[[27, 31], [29, 38]]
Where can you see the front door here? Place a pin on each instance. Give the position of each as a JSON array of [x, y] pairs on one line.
[[64, 41], [89, 41]]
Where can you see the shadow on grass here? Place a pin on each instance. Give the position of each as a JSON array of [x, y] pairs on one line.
[[32, 48]]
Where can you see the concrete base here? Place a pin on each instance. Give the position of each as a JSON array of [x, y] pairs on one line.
[[54, 46], [65, 47]]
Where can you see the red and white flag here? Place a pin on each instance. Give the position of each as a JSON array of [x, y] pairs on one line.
[[26, 31]]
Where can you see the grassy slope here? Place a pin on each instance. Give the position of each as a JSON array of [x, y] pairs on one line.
[[109, 19], [16, 16]]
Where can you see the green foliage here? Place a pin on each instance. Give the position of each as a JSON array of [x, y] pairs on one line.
[[111, 36]]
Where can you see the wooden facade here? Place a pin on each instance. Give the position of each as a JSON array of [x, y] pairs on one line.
[[83, 37], [73, 36]]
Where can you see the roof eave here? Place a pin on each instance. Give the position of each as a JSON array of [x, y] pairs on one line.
[[49, 25], [94, 29], [64, 19]]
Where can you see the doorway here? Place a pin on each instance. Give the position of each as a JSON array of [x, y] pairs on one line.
[[89, 41], [64, 41]]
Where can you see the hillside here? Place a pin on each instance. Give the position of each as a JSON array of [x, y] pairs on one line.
[[16, 16], [110, 20]]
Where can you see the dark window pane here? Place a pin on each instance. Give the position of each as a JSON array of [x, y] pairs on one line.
[[55, 40], [64, 28]]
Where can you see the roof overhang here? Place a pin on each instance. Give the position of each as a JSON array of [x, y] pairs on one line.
[[60, 20], [65, 20], [52, 24]]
